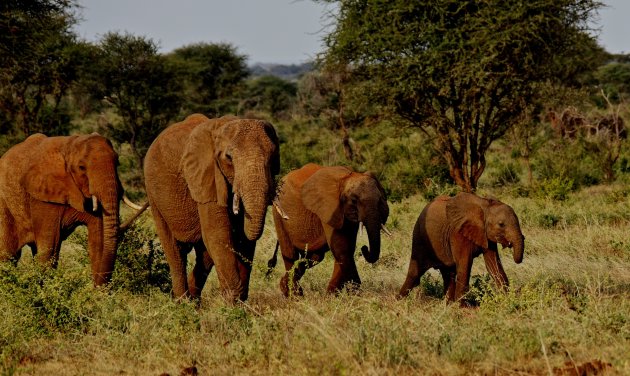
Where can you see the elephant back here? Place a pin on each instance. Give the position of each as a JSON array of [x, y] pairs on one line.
[[297, 177]]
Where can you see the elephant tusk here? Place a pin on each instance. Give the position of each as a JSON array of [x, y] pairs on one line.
[[236, 202], [385, 230], [276, 205], [360, 228], [131, 204], [94, 203]]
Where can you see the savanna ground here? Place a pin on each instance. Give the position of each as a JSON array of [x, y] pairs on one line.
[[570, 301], [568, 307]]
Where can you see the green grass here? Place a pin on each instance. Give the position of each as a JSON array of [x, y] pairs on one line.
[[569, 301]]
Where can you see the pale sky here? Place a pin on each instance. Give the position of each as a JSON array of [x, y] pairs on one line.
[[267, 31]]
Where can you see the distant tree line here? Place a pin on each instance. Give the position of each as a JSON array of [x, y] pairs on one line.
[[465, 73], [48, 77]]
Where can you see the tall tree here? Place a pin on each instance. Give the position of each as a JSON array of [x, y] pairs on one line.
[[465, 70], [36, 66], [129, 74], [212, 75]]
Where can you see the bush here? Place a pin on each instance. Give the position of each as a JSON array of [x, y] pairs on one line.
[[568, 161], [506, 174], [140, 262], [556, 188]]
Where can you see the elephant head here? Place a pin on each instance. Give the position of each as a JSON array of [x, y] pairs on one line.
[[81, 172], [238, 158], [481, 220], [337, 194]]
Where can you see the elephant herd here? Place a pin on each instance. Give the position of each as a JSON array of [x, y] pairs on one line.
[[209, 183]]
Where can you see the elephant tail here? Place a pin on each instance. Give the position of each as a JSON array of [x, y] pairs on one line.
[[271, 264]]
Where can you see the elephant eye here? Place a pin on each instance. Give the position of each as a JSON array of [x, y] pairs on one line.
[[228, 156], [82, 167], [501, 224]]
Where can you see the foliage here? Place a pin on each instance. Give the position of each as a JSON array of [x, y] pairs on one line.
[[36, 67], [140, 262], [567, 160], [211, 74], [324, 94], [614, 79], [269, 94], [139, 83], [403, 159], [467, 70]]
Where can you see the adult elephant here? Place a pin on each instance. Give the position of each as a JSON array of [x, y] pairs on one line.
[[451, 231], [323, 207], [209, 182], [49, 186]]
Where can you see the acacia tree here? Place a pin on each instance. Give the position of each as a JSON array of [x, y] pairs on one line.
[[464, 70], [212, 76], [128, 73]]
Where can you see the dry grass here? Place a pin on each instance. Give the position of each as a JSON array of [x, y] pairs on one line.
[[569, 302]]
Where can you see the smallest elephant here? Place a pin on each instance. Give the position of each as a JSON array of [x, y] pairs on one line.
[[451, 231]]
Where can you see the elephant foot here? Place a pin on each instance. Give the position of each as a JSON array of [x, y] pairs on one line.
[[402, 295], [465, 303], [296, 289], [351, 287]]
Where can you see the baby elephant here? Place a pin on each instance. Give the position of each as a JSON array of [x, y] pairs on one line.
[[321, 209], [451, 231]]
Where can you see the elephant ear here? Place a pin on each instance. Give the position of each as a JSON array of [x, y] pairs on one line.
[[205, 181], [47, 179], [467, 216], [321, 194], [275, 158], [382, 202]]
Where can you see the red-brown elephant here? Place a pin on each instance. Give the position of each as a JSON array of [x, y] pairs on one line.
[[451, 231], [49, 186], [209, 182], [321, 208]]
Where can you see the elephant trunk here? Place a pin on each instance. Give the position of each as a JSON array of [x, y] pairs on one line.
[[105, 188], [373, 228], [518, 247], [255, 196]]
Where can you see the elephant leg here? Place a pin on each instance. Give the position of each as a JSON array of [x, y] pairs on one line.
[[495, 268], [345, 269], [201, 271], [9, 247], [289, 283], [216, 232], [462, 279], [47, 231], [245, 254], [344, 273], [175, 255], [416, 270], [309, 260], [448, 277], [290, 255]]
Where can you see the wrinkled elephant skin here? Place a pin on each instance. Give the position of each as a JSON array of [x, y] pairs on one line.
[[209, 182], [322, 208], [451, 231], [49, 186]]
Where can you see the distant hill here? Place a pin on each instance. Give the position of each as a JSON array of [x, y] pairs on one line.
[[287, 72]]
